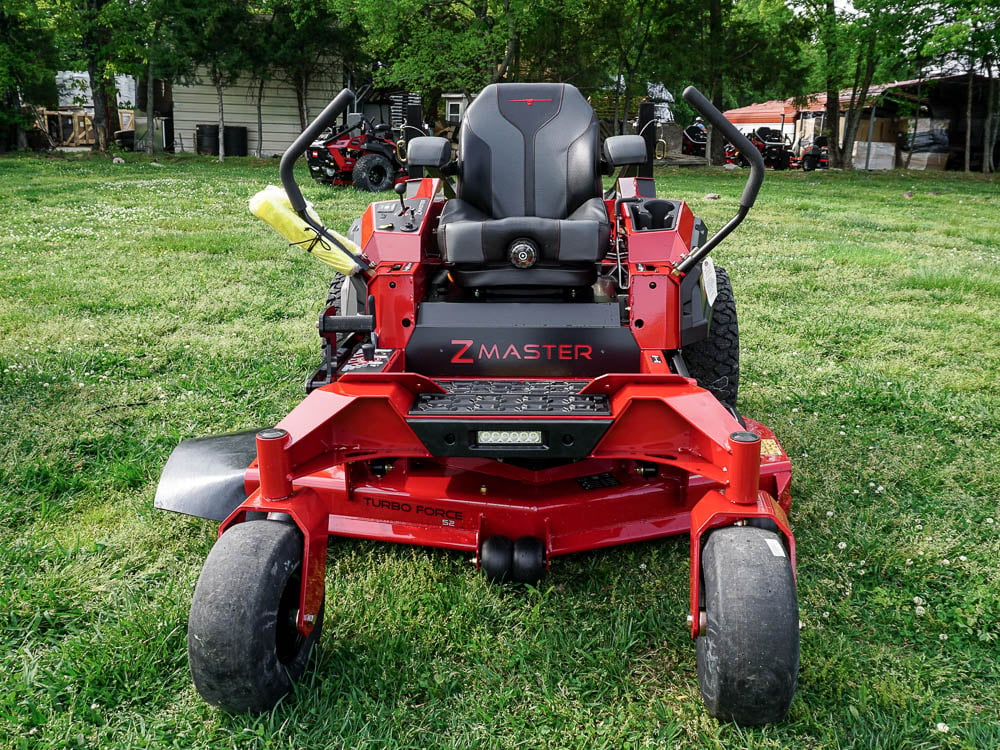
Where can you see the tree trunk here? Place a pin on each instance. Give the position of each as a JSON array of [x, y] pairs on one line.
[[513, 42], [989, 126], [305, 98], [715, 149], [260, 117], [858, 104], [618, 97], [968, 118], [217, 80], [99, 98], [916, 125], [829, 27], [150, 122], [112, 118]]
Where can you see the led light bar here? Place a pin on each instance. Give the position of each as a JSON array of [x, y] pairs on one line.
[[509, 437]]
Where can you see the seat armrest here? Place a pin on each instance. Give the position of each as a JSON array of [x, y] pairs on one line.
[[428, 151], [620, 150]]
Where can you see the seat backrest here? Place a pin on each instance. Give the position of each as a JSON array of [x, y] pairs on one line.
[[529, 149]]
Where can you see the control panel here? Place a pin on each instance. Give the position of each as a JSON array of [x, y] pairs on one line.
[[404, 215]]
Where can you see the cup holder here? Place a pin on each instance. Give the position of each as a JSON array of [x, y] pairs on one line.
[[653, 214]]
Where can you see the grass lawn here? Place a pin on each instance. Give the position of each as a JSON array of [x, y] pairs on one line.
[[142, 304]]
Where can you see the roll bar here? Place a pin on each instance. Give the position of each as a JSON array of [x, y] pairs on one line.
[[697, 100], [325, 119]]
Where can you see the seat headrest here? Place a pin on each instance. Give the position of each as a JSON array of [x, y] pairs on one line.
[[529, 149]]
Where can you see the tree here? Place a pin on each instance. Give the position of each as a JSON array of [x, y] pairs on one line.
[[149, 50], [857, 43], [92, 35], [212, 36], [635, 46], [433, 46], [27, 67], [752, 50], [304, 41], [973, 37]]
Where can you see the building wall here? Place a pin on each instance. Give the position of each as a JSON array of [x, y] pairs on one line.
[[196, 104]]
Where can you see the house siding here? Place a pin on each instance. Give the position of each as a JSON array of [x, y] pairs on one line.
[[196, 104]]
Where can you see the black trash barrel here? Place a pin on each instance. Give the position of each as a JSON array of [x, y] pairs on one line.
[[236, 140], [125, 139], [207, 139]]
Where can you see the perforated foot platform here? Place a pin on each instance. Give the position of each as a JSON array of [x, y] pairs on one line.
[[486, 398]]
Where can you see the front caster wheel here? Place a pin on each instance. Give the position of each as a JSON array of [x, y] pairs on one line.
[[243, 647], [748, 656], [528, 560], [495, 558]]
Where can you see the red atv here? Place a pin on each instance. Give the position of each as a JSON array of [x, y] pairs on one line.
[[769, 143], [522, 367], [694, 140], [367, 159], [816, 155]]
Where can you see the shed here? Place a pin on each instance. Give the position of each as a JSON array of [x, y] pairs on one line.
[[923, 116], [196, 104], [778, 115]]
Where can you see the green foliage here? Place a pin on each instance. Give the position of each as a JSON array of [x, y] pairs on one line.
[[971, 33], [27, 62], [142, 304], [765, 59]]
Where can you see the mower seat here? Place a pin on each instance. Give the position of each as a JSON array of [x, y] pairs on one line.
[[528, 209]]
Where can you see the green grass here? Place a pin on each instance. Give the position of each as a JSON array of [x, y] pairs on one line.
[[142, 304]]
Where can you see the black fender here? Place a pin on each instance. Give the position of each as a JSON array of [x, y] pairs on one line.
[[204, 476]]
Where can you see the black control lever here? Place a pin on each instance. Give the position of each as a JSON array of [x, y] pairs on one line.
[[400, 188]]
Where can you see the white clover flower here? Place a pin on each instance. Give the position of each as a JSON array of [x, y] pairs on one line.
[[841, 545], [829, 514], [918, 600], [942, 727], [943, 637], [989, 520], [919, 611], [946, 561], [962, 558]]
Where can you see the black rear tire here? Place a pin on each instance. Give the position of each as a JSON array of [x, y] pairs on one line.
[[374, 173], [715, 361], [333, 297], [244, 650], [748, 655]]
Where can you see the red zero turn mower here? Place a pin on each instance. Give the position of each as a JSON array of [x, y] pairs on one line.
[[368, 159], [521, 367]]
